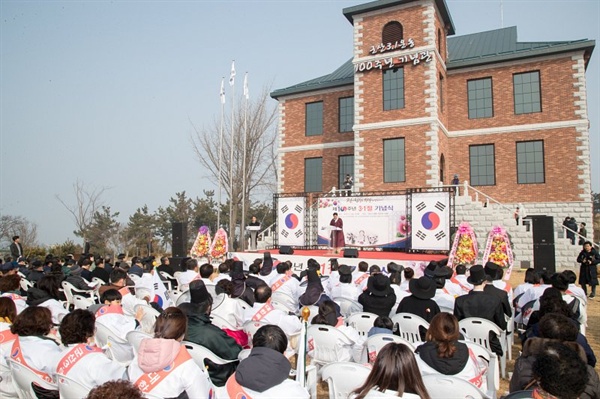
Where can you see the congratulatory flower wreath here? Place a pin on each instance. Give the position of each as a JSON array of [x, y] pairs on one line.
[[498, 249], [202, 244], [219, 246], [464, 248]]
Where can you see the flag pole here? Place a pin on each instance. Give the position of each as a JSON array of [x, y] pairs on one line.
[[243, 224], [222, 95], [232, 84]]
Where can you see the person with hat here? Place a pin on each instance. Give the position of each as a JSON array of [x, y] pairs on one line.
[[443, 297], [37, 271], [497, 287], [379, 297], [267, 273], [241, 289], [74, 278], [420, 301], [478, 303], [315, 294], [202, 332], [344, 288], [8, 268]]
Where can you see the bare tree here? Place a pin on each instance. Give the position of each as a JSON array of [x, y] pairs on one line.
[[259, 152], [87, 203], [18, 226]]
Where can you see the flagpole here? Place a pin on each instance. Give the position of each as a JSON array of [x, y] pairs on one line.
[[243, 224], [222, 95], [232, 84]]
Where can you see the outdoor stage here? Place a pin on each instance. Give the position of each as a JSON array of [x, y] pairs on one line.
[[416, 261]]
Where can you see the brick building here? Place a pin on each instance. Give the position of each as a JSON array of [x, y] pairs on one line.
[[416, 105]]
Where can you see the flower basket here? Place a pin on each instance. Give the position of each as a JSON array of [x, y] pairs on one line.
[[218, 249], [498, 249], [201, 246], [464, 248]]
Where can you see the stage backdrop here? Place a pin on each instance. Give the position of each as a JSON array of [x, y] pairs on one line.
[[430, 221], [290, 221], [377, 221]]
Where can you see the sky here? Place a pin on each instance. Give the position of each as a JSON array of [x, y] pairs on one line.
[[109, 92]]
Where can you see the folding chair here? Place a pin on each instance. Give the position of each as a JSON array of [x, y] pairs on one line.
[[442, 386], [478, 330], [166, 279], [362, 322], [343, 378], [69, 388], [376, 342], [408, 326], [347, 306], [23, 377], [70, 291], [492, 376], [324, 343], [148, 319]]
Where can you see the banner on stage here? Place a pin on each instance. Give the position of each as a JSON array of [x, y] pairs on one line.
[[290, 221], [430, 221], [375, 222]]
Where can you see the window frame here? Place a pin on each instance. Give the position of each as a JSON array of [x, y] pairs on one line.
[[385, 90], [469, 99], [306, 175], [539, 77], [478, 165], [402, 170], [543, 162], [351, 98], [308, 118], [342, 172]]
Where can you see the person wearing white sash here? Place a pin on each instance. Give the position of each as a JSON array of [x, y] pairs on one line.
[[113, 317], [163, 367], [344, 288], [46, 295], [285, 282], [10, 286], [264, 312], [188, 274], [8, 313], [82, 360]]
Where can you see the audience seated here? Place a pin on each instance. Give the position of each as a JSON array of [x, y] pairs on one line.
[[81, 360], [460, 278], [443, 354], [381, 325], [10, 287], [264, 373], [344, 288], [285, 283], [241, 290], [112, 316], [230, 310], [379, 297], [361, 275], [420, 301], [201, 331], [498, 288], [315, 294], [8, 313], [264, 312], [267, 273], [394, 374], [189, 272], [409, 274], [163, 367], [46, 294], [118, 389]]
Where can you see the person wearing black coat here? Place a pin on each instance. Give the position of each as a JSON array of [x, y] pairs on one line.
[[379, 297], [588, 259]]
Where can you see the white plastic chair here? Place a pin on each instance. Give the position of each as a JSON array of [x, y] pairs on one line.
[[283, 301], [134, 277], [446, 309], [81, 302], [492, 376], [25, 284], [199, 353], [376, 342], [222, 323], [135, 339], [166, 279], [212, 289], [148, 319], [184, 297], [442, 386], [323, 341], [343, 378], [174, 294], [408, 326], [70, 291], [478, 330], [244, 305], [23, 377], [71, 389], [347, 306], [119, 349], [251, 327], [98, 281], [362, 322]]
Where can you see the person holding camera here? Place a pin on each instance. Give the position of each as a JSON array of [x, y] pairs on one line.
[[588, 259]]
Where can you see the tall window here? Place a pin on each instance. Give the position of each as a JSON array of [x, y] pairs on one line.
[[393, 161], [479, 92], [441, 92], [526, 87], [345, 167], [530, 162], [392, 32], [393, 89], [346, 114], [314, 119], [481, 161], [313, 174]]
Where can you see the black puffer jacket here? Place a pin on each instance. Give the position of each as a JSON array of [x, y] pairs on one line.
[[444, 365]]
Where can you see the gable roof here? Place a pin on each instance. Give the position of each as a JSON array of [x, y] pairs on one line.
[[499, 45]]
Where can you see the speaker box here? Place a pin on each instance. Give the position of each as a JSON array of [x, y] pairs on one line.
[[350, 253], [179, 230], [286, 250], [544, 256]]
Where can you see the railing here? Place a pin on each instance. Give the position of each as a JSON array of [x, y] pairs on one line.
[[466, 188]]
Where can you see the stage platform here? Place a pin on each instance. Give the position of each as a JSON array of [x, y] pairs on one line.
[[414, 260]]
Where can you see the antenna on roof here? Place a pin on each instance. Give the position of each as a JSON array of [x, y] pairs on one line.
[[501, 14]]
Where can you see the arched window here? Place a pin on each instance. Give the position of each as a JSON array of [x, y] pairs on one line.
[[392, 32], [442, 168]]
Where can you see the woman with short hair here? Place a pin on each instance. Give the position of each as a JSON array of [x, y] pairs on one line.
[[163, 367]]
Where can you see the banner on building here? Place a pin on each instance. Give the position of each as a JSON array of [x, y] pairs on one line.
[[430, 221], [290, 221], [375, 222]]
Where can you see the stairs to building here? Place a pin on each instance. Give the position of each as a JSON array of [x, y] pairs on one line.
[[483, 216]]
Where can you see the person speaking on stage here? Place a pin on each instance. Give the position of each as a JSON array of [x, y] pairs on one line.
[[337, 236], [254, 233]]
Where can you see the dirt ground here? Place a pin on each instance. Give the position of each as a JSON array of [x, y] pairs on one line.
[[592, 335]]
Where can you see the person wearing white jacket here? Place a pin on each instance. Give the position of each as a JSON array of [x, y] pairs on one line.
[[163, 367], [82, 360], [8, 313], [264, 312]]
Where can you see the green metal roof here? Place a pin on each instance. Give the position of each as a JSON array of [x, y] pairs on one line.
[[350, 12], [481, 48]]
